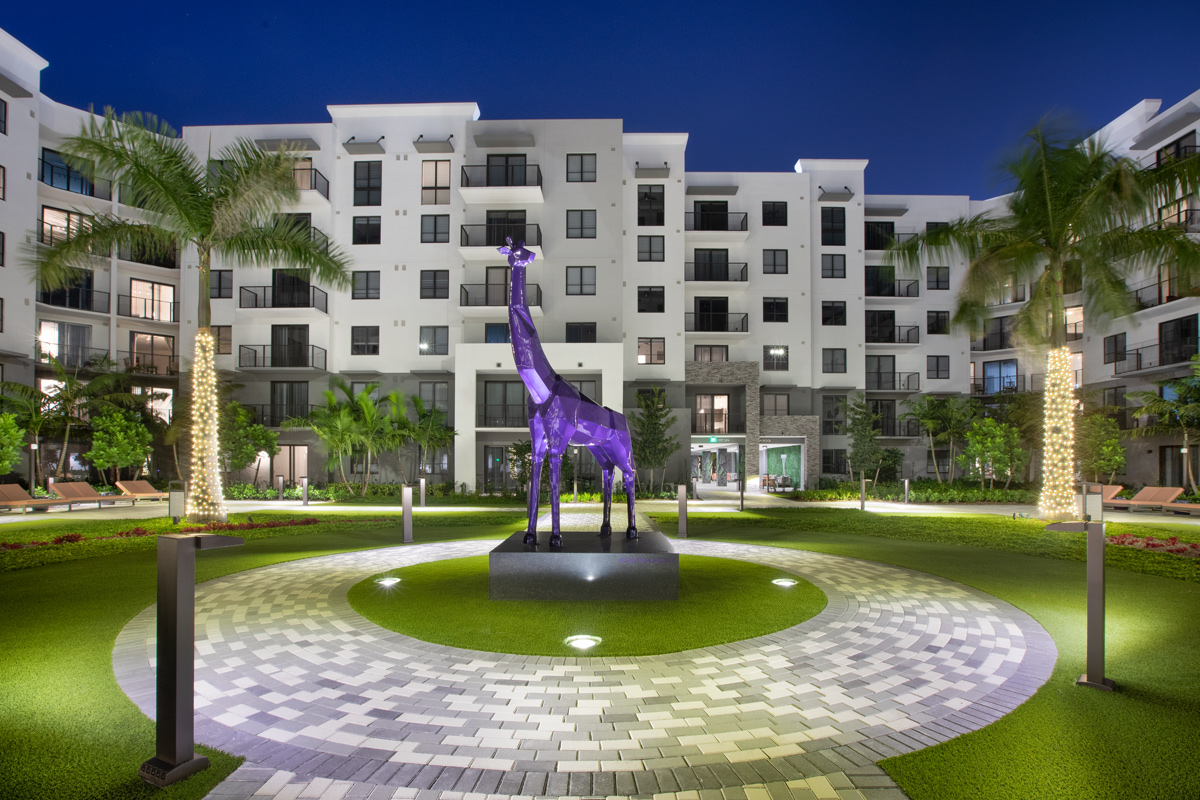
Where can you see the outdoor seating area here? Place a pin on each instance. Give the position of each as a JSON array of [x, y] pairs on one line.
[[79, 492], [13, 496], [1150, 498], [776, 483], [140, 490]]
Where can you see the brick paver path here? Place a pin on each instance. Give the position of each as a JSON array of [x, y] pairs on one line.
[[325, 704]]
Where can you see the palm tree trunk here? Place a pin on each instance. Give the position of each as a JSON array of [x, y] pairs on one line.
[[933, 453], [1187, 459], [62, 455], [342, 469], [175, 458]]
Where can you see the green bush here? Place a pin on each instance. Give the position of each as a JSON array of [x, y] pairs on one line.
[[961, 491]]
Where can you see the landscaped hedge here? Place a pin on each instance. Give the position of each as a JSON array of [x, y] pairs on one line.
[[961, 491]]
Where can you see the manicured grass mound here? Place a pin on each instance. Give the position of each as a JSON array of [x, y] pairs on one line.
[[720, 600]]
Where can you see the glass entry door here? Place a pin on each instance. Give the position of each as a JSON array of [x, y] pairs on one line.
[[712, 265], [712, 314], [495, 468], [497, 285]]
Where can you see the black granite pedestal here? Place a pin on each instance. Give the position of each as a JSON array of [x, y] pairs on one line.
[[586, 567]]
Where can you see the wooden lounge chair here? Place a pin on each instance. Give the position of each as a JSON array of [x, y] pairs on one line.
[[1189, 509], [79, 492], [140, 490], [1150, 498], [13, 496]]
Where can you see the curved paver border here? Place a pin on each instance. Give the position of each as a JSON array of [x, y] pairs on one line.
[[323, 702]]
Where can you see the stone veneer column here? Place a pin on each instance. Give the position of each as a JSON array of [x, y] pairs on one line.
[[733, 373]]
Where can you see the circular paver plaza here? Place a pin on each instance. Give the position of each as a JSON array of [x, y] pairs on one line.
[[324, 704]]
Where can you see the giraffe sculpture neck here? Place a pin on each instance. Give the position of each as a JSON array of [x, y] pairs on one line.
[[532, 364]]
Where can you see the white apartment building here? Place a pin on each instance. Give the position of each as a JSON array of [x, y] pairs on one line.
[[758, 301]]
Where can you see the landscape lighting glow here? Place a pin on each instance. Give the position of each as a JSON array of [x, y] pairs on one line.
[[388, 583], [784, 582], [582, 641], [206, 500], [1058, 487]]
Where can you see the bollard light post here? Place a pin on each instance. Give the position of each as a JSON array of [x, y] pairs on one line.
[[682, 492], [422, 492], [406, 496], [862, 492], [575, 475], [906, 491], [175, 705], [304, 489], [279, 485], [33, 455], [1094, 677]]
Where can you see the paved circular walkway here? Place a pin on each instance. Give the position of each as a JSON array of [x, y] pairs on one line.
[[325, 704]]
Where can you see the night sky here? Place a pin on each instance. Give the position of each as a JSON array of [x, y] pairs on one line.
[[933, 94]]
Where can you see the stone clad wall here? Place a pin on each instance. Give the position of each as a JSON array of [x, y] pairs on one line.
[[733, 373], [806, 426]]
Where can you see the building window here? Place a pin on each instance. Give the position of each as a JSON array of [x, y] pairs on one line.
[[650, 248], [581, 168], [833, 462], [833, 414], [581, 333], [651, 300], [4, 117], [775, 262], [937, 322], [368, 183], [652, 351], [435, 395], [435, 228], [365, 285], [775, 309], [3, 183], [435, 340], [224, 336], [1114, 348], [937, 368], [833, 265], [651, 206], [833, 227], [711, 352], [435, 183], [2, 249], [220, 284], [878, 235], [775, 405], [833, 312], [581, 280], [435, 284], [581, 224], [775, 357], [930, 227], [366, 230], [937, 278], [833, 359], [774, 213], [364, 340], [497, 333]]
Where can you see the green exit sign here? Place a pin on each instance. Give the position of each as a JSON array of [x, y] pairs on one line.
[[712, 439]]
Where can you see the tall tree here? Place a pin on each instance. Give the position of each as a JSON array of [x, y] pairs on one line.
[[119, 439], [1174, 410], [650, 430], [12, 440], [1099, 446], [993, 448], [930, 412], [31, 406], [862, 426], [73, 401], [1076, 209], [428, 430], [226, 209]]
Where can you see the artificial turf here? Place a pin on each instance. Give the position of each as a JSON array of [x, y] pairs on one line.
[[714, 594]]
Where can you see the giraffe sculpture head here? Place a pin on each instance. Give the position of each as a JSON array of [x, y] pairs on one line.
[[518, 256]]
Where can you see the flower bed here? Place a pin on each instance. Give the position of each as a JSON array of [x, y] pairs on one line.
[[1169, 545], [212, 527]]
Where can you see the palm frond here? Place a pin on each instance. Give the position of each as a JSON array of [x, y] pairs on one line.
[[57, 266], [250, 186], [286, 245]]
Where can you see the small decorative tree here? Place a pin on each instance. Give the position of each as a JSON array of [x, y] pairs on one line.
[[119, 440], [12, 440], [1174, 412], [650, 429], [993, 448], [428, 431], [1098, 445], [862, 427]]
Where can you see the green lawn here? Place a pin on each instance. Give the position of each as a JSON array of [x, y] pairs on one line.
[[714, 594]]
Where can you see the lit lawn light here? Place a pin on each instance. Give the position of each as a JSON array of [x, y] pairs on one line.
[[582, 641], [786, 583], [388, 582]]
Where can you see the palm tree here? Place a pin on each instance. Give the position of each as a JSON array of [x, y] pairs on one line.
[[74, 401], [428, 431], [334, 425], [930, 413], [225, 208], [1175, 412], [375, 432], [32, 408], [1077, 209]]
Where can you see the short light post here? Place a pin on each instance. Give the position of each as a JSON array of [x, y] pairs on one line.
[[406, 499], [1094, 677], [575, 474], [862, 491], [279, 485], [682, 493], [33, 455], [422, 492], [175, 704], [906, 491], [304, 490]]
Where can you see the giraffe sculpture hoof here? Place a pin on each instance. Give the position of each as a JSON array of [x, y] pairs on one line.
[[556, 540], [631, 533], [531, 538], [606, 529]]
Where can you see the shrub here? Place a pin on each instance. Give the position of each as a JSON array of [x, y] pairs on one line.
[[69, 538]]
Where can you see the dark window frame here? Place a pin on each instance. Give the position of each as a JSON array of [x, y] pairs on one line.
[[434, 232], [438, 338], [652, 353], [580, 285], [652, 299], [1114, 348], [775, 309], [775, 361], [579, 173], [367, 230], [650, 251], [937, 368], [774, 404], [833, 226], [222, 281], [775, 268], [368, 183], [709, 350], [774, 213], [361, 288], [439, 284], [833, 265], [578, 228], [652, 205], [831, 359], [435, 193], [937, 278], [223, 334], [833, 312], [937, 323], [581, 333], [361, 343]]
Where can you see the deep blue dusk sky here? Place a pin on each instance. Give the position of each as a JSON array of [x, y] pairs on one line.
[[933, 94]]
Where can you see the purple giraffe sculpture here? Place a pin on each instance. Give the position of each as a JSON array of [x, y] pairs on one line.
[[560, 415]]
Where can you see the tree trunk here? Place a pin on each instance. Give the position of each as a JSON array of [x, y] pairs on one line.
[[342, 469], [62, 455], [366, 473], [175, 458], [933, 453], [1187, 460], [952, 460]]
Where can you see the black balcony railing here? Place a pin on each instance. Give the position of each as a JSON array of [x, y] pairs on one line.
[[716, 421], [281, 356], [271, 297], [1161, 354], [495, 294], [900, 334], [60, 176], [311, 180], [876, 239], [1168, 154], [879, 288], [898, 427], [146, 308], [503, 415], [894, 381], [474, 175], [993, 341], [75, 297], [1001, 384], [495, 234], [733, 221], [1188, 219], [74, 357], [738, 272], [168, 260], [1156, 292], [716, 322], [50, 234], [148, 363], [273, 415]]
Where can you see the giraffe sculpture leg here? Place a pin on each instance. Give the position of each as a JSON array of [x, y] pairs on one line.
[[555, 476], [630, 487], [606, 526], [538, 455]]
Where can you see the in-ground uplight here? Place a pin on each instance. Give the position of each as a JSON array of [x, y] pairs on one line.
[[388, 582], [784, 582], [582, 641]]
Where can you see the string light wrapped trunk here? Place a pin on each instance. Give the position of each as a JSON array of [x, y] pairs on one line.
[[1058, 470], [206, 496]]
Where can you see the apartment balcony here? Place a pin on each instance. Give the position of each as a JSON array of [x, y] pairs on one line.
[[716, 422], [893, 381], [1157, 292], [273, 415], [716, 277], [1188, 219], [717, 227], [892, 289], [74, 357], [488, 301], [697, 322], [479, 242], [167, 260], [291, 299], [148, 363], [881, 240], [145, 308], [1165, 155], [61, 176], [1003, 384], [281, 356], [1156, 356], [311, 180], [898, 428], [75, 298], [1074, 331], [900, 334], [502, 415], [992, 341], [492, 183]]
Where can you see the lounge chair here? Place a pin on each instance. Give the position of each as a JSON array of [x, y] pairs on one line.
[[79, 492], [1151, 498], [141, 490], [1181, 508], [13, 496]]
